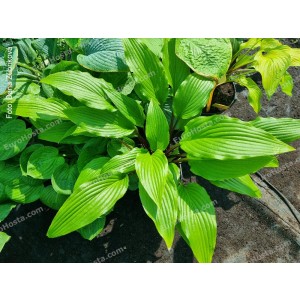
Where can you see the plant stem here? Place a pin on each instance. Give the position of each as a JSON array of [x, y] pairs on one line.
[[29, 68], [142, 140], [27, 75], [180, 160], [172, 148], [126, 145]]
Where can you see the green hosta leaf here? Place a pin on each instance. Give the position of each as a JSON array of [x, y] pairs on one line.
[[215, 169], [43, 162], [295, 57], [103, 55], [3, 196], [165, 215], [63, 179], [82, 86], [123, 82], [151, 82], [100, 122], [192, 96], [4, 238], [157, 127], [5, 209], [90, 231], [254, 92], [176, 70], [225, 138], [46, 47], [26, 52], [152, 171], [72, 42], [287, 84], [9, 173], [65, 65], [272, 65], [207, 57], [13, 138], [154, 44], [197, 221], [25, 86], [52, 199], [242, 185], [25, 157], [87, 203], [284, 129], [252, 43], [119, 146]]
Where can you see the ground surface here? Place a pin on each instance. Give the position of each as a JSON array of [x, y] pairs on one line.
[[246, 232]]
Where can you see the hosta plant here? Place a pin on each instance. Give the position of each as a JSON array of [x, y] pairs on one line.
[[119, 114]]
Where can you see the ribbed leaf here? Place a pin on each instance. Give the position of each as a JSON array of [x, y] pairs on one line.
[[207, 57], [154, 44], [176, 70], [284, 129], [4, 238], [192, 96], [90, 231], [100, 122], [295, 57], [157, 127], [87, 203], [5, 209], [287, 84], [225, 138], [119, 146], [197, 221], [52, 199], [147, 71], [242, 185], [82, 86], [152, 171]]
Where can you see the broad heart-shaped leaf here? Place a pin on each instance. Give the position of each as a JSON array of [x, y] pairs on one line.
[[197, 221], [165, 215], [52, 199], [272, 65], [36, 107], [87, 203], [43, 162], [157, 127], [287, 84], [176, 70], [90, 231], [5, 209], [148, 71], [207, 57], [242, 185], [103, 55], [152, 171], [100, 122], [63, 179], [82, 86], [4, 238], [225, 138], [192, 96], [13, 138], [216, 169], [254, 92], [119, 146], [284, 129]]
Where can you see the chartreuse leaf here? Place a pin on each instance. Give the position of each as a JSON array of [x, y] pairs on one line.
[[52, 199], [157, 127], [43, 162], [176, 70], [13, 138], [197, 221], [152, 171], [87, 203], [287, 84], [5, 209], [82, 86], [192, 96], [207, 57], [154, 44], [90, 231], [254, 92], [272, 65], [225, 138], [242, 185], [295, 57], [284, 129], [252, 43], [103, 55], [216, 169], [4, 238], [119, 146], [165, 215], [148, 71], [100, 122], [63, 179]]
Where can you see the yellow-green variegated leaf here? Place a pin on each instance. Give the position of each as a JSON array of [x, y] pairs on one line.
[[254, 92], [197, 221], [152, 171], [242, 185], [295, 57], [148, 71], [287, 84], [225, 138], [284, 129], [192, 96], [157, 127], [207, 57], [4, 238], [87, 203]]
